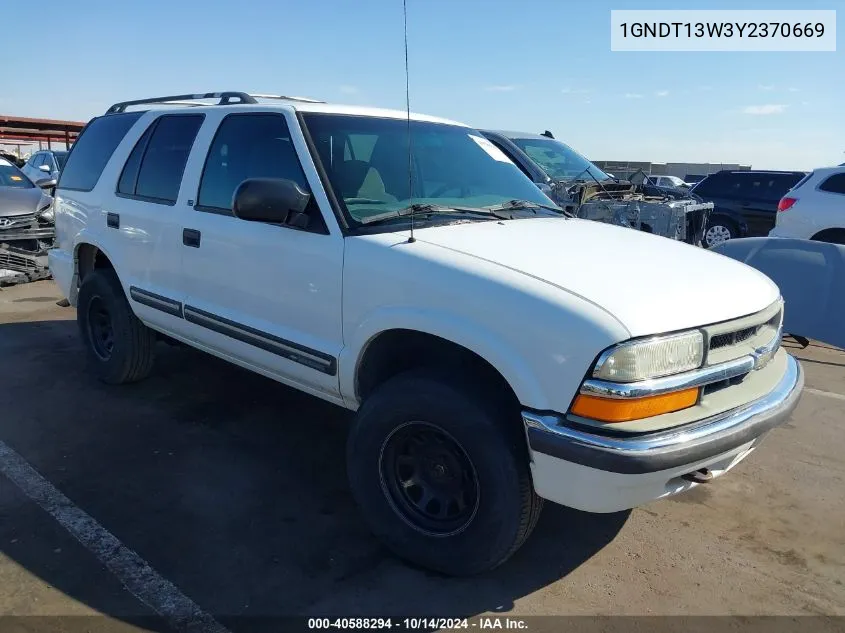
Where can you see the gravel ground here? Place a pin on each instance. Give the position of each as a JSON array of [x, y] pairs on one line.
[[233, 489]]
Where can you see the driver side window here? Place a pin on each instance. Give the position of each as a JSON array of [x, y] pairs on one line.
[[254, 145]]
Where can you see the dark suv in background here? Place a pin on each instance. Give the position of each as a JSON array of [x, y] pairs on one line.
[[745, 202]]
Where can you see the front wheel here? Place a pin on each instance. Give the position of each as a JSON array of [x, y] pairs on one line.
[[719, 230], [441, 476]]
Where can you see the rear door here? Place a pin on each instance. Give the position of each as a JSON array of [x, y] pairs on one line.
[[145, 214]]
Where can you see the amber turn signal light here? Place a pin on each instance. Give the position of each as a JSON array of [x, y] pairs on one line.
[[627, 409]]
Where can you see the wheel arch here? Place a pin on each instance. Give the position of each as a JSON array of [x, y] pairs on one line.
[[88, 255], [832, 235], [385, 351]]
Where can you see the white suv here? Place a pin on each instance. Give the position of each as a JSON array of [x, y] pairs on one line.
[[497, 352], [814, 209]]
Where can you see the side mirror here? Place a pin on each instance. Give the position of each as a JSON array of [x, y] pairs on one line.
[[44, 168], [46, 183], [273, 200]]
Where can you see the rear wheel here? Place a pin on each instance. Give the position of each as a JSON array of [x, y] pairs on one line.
[[441, 476], [719, 230], [119, 347]]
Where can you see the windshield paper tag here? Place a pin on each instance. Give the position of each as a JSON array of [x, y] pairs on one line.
[[491, 149]]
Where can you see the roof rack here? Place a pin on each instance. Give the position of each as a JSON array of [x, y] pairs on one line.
[[224, 98]]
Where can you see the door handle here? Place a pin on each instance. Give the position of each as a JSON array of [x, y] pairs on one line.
[[191, 237], [113, 220]]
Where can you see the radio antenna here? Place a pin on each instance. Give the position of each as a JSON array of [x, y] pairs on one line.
[[408, 112]]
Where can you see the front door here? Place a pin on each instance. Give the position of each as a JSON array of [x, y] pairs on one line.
[[264, 295]]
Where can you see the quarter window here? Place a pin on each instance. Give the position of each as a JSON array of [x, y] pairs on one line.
[[834, 184], [93, 149]]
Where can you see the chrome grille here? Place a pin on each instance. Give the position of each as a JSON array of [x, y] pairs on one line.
[[10, 221], [732, 338], [742, 336]]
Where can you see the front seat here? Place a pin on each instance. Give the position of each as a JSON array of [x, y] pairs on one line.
[[357, 179]]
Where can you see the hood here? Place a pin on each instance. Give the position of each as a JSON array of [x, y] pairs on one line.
[[650, 284], [14, 201]]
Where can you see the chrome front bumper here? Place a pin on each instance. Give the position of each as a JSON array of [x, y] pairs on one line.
[[662, 450]]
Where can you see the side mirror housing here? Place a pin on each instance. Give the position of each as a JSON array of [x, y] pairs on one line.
[[272, 200], [46, 183], [44, 168]]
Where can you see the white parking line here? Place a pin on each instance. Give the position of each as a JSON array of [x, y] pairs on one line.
[[826, 394], [131, 570]]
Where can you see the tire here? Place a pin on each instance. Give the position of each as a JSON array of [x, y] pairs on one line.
[[719, 229], [120, 349], [500, 506]]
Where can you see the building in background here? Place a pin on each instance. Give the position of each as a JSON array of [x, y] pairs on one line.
[[690, 172]]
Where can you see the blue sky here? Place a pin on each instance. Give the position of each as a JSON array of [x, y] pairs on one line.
[[518, 64]]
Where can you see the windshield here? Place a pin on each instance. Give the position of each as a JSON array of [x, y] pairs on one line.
[[11, 176], [366, 159], [558, 160], [61, 157]]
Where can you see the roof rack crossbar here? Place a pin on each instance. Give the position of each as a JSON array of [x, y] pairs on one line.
[[224, 98]]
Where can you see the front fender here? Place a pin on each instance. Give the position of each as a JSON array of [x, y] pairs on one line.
[[510, 362]]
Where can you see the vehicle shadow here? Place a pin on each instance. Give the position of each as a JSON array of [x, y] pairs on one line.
[[233, 488]]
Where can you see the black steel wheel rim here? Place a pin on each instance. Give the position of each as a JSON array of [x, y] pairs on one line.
[[100, 328], [429, 479]]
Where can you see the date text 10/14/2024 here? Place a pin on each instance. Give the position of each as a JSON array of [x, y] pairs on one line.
[[419, 624]]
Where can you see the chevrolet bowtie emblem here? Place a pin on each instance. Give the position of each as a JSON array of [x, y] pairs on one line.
[[762, 355]]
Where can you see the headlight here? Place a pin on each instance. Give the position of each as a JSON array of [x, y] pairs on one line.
[[47, 214], [651, 358]]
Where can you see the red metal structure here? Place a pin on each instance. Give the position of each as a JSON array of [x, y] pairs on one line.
[[19, 130]]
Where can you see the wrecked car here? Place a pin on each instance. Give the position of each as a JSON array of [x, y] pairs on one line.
[[580, 187], [27, 228]]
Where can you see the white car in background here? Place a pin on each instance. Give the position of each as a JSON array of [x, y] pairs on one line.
[[814, 209], [668, 181], [45, 164]]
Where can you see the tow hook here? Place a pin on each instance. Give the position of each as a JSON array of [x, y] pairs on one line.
[[700, 476]]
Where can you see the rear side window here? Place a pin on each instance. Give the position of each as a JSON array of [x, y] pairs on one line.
[[154, 169], [93, 149], [247, 146], [834, 184], [770, 187]]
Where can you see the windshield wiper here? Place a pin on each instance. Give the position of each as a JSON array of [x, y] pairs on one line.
[[518, 205], [430, 209]]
